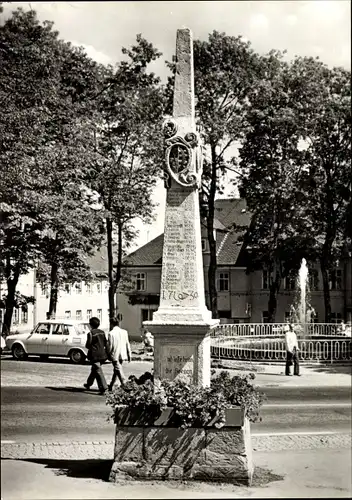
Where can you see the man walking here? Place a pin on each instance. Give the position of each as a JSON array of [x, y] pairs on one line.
[[96, 345], [292, 349], [118, 350]]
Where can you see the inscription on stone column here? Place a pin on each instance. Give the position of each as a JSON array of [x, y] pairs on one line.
[[179, 280], [177, 362]]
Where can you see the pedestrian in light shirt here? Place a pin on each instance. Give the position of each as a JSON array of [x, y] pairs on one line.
[[118, 350], [292, 349]]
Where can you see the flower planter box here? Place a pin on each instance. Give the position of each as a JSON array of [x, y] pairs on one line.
[[151, 446]]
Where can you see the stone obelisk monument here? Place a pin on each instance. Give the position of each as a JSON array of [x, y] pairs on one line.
[[182, 324]]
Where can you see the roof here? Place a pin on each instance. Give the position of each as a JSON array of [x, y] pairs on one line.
[[148, 254], [231, 221]]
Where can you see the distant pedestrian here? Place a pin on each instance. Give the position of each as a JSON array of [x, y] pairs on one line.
[[118, 350], [292, 349], [148, 340], [97, 355]]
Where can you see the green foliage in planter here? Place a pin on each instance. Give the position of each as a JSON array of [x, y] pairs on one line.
[[194, 406]]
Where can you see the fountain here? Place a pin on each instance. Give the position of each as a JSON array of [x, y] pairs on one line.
[[301, 312]]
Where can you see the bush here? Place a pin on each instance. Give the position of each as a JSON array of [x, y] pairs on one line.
[[194, 406]]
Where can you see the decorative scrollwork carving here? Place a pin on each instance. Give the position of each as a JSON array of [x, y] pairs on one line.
[[169, 128], [191, 138], [167, 180], [182, 158]]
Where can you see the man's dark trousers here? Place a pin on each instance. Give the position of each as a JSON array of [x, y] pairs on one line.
[[292, 358], [97, 373]]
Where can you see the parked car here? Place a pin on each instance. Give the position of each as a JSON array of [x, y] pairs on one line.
[[3, 344], [64, 338]]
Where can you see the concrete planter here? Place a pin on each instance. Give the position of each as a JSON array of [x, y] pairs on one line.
[[148, 446]]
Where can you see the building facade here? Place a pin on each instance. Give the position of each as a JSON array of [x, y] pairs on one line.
[[242, 297], [80, 300]]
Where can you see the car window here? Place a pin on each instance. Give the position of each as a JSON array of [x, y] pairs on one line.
[[66, 329], [82, 328], [56, 329], [43, 328]]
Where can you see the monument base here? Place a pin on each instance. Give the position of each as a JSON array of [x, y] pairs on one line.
[[156, 450], [182, 350]]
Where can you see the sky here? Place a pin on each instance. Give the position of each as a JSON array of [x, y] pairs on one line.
[[304, 28]]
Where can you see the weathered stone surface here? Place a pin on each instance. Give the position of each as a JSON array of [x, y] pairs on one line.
[[239, 473], [127, 470], [226, 441], [129, 444], [183, 105], [166, 472], [172, 446]]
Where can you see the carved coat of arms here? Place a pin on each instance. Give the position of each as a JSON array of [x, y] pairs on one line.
[[182, 156]]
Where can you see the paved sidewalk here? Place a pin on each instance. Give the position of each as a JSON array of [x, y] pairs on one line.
[[104, 450], [273, 375], [318, 473]]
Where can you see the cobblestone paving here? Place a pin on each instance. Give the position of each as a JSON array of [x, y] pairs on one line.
[[104, 450]]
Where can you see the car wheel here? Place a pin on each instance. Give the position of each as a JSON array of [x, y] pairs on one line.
[[77, 357], [18, 352], [44, 357]]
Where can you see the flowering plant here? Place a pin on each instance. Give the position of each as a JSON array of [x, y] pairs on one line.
[[193, 406]]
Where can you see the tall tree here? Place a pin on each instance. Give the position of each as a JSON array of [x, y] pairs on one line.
[[128, 142], [295, 166], [45, 139], [324, 112]]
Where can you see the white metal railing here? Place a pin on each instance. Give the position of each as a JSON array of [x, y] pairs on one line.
[[273, 349], [275, 329]]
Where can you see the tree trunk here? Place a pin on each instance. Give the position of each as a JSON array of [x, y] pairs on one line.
[[272, 303], [54, 287], [118, 274], [111, 293], [10, 299], [213, 297], [324, 266]]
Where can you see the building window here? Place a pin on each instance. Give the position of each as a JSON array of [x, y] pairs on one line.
[[223, 282], [335, 317], [25, 316], [335, 279], [89, 288], [89, 314], [265, 279], [290, 282], [265, 317], [140, 282], [99, 314], [16, 316], [313, 279], [99, 287], [67, 314], [78, 288], [147, 315], [224, 314], [67, 288], [79, 314], [204, 244]]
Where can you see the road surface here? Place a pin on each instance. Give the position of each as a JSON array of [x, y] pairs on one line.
[[45, 401], [59, 413]]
